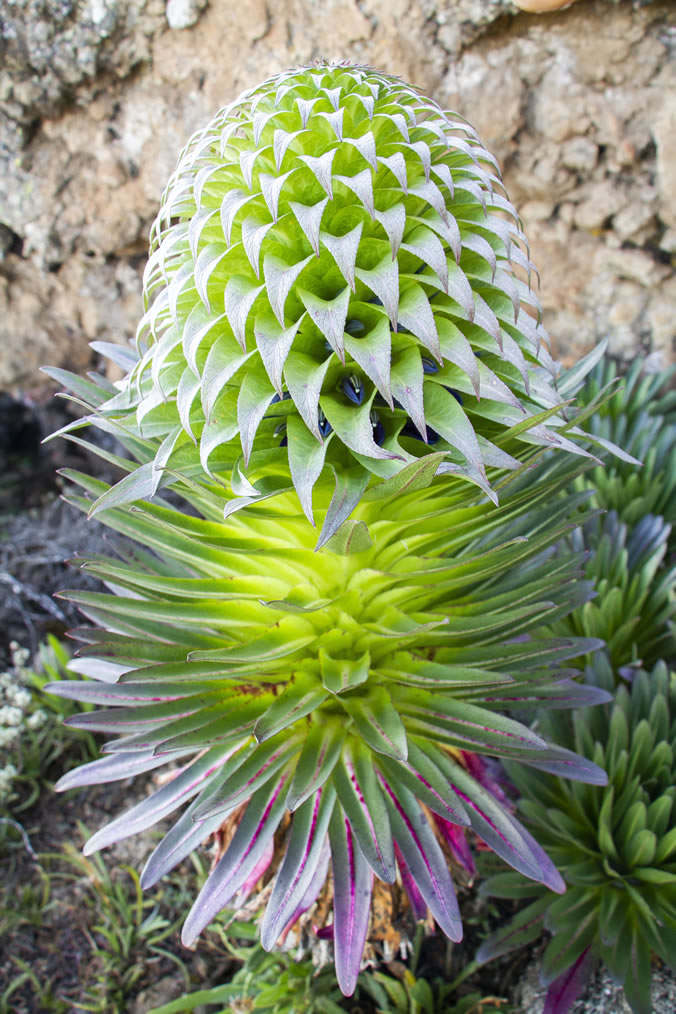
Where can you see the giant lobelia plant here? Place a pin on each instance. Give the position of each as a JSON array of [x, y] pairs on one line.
[[340, 330]]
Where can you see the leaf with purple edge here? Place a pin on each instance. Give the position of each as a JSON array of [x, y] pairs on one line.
[[417, 902], [467, 725], [565, 990], [362, 800], [422, 777], [259, 823], [191, 780], [377, 721], [497, 828], [318, 757], [424, 858], [352, 890], [112, 769], [565, 693], [261, 764], [566, 764], [303, 852], [302, 695], [181, 839]]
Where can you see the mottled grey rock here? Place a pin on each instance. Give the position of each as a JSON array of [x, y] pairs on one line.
[[601, 996]]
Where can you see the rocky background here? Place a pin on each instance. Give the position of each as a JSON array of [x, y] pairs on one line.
[[98, 96]]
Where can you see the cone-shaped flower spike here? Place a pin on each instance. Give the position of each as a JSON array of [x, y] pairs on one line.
[[337, 277], [334, 327]]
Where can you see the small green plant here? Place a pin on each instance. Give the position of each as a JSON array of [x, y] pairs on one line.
[[275, 983], [30, 734], [128, 929], [616, 846], [406, 994]]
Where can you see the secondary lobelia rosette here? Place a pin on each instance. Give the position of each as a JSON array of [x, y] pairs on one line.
[[336, 276]]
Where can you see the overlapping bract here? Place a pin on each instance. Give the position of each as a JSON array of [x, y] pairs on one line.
[[616, 846], [337, 279], [344, 687]]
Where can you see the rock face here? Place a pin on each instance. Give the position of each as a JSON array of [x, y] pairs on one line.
[[98, 97]]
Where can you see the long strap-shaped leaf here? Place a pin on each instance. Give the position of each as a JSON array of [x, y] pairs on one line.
[[352, 889], [424, 858], [185, 836], [501, 832], [162, 802], [258, 825], [303, 852], [260, 764], [362, 800]]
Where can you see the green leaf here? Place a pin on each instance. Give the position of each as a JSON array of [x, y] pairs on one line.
[[378, 721], [383, 281], [407, 386], [568, 944], [223, 361], [329, 316], [138, 485], [637, 973], [350, 484], [199, 998], [373, 353], [274, 344], [640, 849], [89, 392], [255, 395], [304, 378], [523, 929], [446, 416], [412, 478], [340, 674], [302, 695], [280, 278], [351, 537], [415, 313], [318, 757]]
